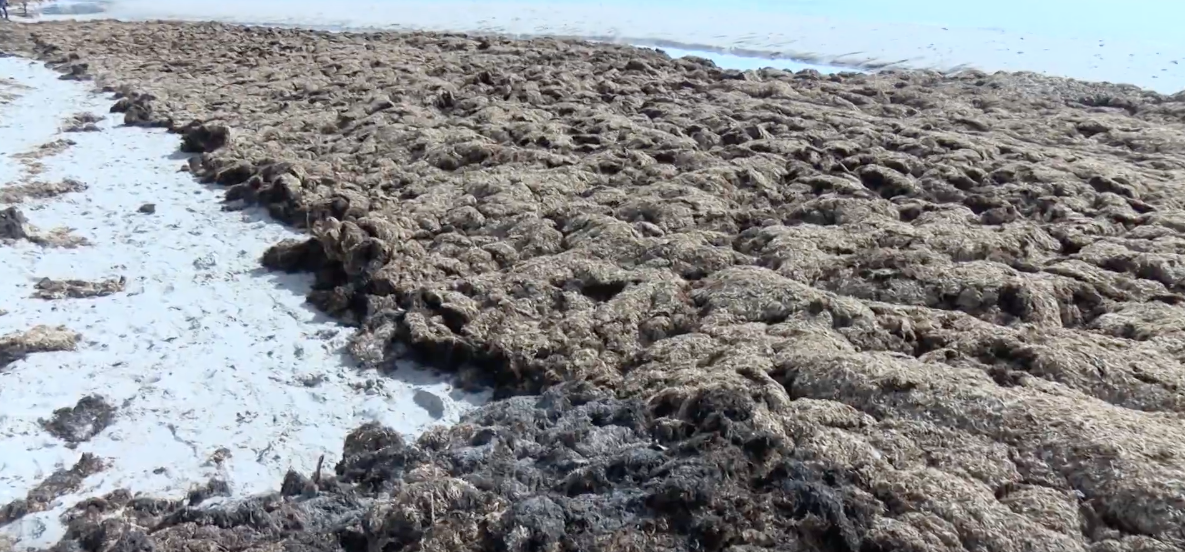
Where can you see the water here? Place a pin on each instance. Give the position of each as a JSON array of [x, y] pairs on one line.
[[1086, 39], [1155, 20]]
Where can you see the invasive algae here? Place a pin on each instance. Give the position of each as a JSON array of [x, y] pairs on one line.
[[59, 483], [48, 288], [18, 193], [15, 346], [78, 424], [765, 310]]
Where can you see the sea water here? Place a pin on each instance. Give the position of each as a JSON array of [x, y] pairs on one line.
[[1136, 43]]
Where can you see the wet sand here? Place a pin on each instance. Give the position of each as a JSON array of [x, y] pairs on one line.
[[765, 310]]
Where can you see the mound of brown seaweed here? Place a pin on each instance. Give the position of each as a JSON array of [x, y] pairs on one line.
[[765, 310]]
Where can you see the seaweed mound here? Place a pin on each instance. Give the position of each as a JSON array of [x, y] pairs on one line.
[[573, 469], [765, 310]]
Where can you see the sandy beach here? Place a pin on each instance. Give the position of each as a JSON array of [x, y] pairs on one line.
[[182, 361], [719, 309]]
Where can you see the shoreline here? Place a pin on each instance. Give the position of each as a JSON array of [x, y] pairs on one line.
[[903, 306], [731, 58], [190, 364], [807, 38]]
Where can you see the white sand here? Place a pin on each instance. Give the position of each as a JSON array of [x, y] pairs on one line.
[[1136, 42], [204, 350]]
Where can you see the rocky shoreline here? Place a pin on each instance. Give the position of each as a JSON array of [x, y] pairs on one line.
[[765, 310]]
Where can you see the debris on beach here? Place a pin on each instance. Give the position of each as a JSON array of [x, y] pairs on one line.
[[18, 193], [45, 150], [430, 402], [89, 417], [147, 209], [733, 310], [48, 288], [64, 238], [219, 456], [58, 484], [33, 160], [212, 488], [82, 122], [38, 339], [139, 110], [199, 137], [14, 227], [10, 89]]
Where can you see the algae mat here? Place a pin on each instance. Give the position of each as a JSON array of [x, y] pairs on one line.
[[765, 310]]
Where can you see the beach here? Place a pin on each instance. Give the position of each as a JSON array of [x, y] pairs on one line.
[[715, 309], [182, 360]]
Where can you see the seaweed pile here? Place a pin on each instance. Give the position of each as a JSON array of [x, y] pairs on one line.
[[724, 310]]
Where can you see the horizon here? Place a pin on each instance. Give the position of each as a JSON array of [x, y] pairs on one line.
[[1129, 47]]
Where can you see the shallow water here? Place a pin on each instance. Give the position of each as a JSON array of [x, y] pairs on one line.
[[1087, 39], [1152, 20]]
